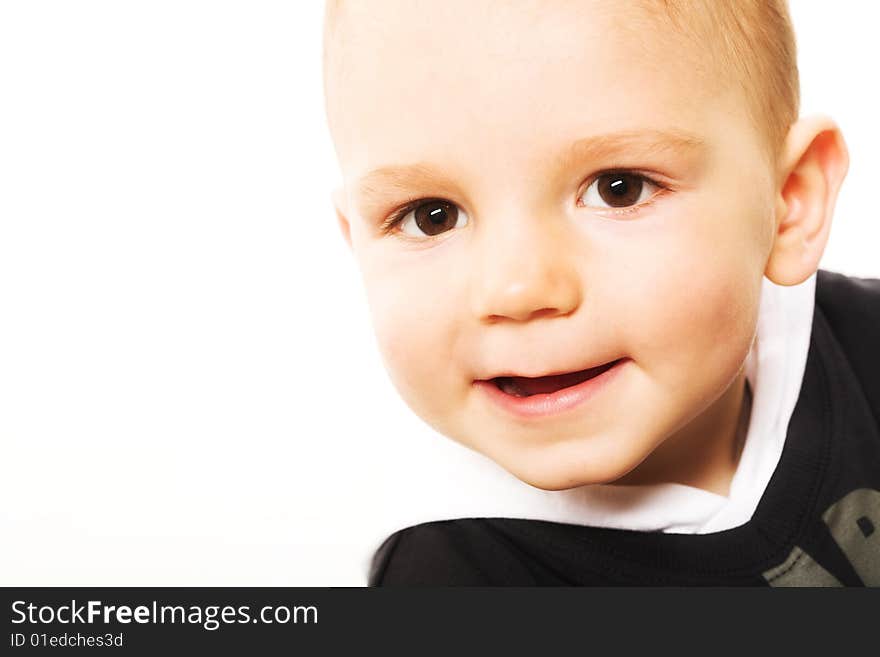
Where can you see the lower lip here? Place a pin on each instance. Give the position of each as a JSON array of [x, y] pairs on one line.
[[554, 403]]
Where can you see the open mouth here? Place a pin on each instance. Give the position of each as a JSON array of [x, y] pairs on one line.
[[523, 386]]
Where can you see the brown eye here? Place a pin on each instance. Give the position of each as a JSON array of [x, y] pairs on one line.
[[619, 190], [432, 218]]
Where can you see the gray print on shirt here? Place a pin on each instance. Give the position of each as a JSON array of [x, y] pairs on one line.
[[854, 522]]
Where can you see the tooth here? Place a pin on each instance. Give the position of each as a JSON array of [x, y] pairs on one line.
[[511, 388]]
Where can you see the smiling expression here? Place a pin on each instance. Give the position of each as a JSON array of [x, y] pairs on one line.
[[542, 191]]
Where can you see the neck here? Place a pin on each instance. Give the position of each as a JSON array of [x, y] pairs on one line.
[[706, 452]]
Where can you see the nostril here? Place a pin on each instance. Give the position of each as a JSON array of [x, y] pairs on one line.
[[544, 312]]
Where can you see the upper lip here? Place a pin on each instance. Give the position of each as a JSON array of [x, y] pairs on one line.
[[512, 373]]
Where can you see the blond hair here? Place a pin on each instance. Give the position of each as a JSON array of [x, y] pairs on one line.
[[752, 39], [755, 40]]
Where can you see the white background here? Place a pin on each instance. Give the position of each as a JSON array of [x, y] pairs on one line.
[[190, 393]]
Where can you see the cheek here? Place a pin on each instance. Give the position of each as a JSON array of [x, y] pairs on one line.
[[709, 319], [414, 317], [697, 302]]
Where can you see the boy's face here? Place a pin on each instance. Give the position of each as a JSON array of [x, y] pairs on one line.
[[547, 269]]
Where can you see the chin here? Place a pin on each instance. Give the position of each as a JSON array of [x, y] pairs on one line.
[[554, 471]]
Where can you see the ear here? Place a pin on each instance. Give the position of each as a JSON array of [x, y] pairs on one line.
[[813, 164], [339, 206]]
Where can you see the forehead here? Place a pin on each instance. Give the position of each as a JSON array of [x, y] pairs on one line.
[[436, 81]]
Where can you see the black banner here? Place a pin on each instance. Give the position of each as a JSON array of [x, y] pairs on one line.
[[335, 621]]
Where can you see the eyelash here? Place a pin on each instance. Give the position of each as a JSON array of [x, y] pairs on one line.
[[662, 189], [397, 216]]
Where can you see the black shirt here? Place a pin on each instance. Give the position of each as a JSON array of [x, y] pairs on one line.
[[817, 523]]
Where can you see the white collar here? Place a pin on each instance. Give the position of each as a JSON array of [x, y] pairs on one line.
[[443, 480]]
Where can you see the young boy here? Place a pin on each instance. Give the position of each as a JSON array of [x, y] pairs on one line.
[[589, 232]]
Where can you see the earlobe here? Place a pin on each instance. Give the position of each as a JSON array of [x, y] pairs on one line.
[[813, 165], [339, 206]]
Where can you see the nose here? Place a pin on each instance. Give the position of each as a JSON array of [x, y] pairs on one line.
[[525, 271]]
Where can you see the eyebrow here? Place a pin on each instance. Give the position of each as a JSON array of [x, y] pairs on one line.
[[396, 179], [640, 143], [636, 143]]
